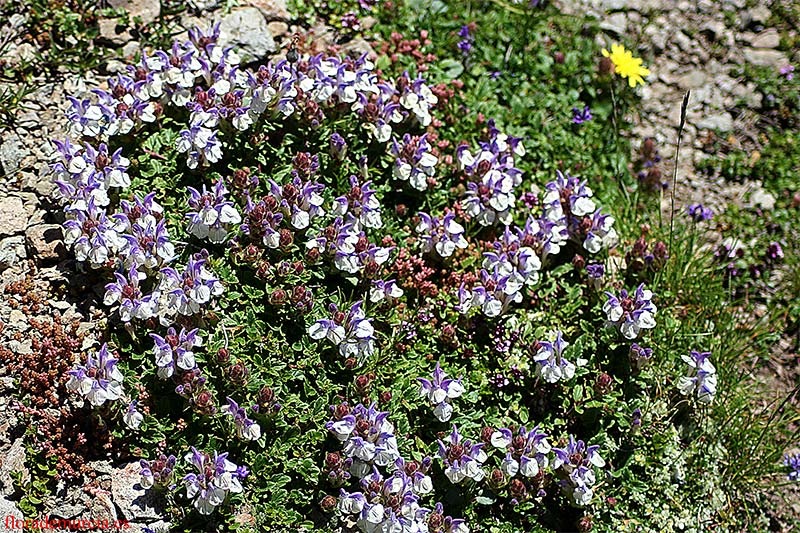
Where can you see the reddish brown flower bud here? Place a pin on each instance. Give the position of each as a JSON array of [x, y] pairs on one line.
[[328, 503]]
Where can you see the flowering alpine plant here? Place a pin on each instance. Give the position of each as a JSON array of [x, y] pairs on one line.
[[417, 473], [552, 364], [99, 380], [415, 161], [360, 207], [367, 436], [388, 504], [147, 243], [513, 260], [384, 291], [175, 351], [438, 390], [631, 313], [215, 478], [573, 464], [132, 417], [299, 202], [91, 234], [462, 459], [126, 292], [792, 462], [158, 472], [189, 291], [442, 235], [352, 333], [581, 116], [527, 452], [211, 215], [246, 429], [699, 212], [700, 378]]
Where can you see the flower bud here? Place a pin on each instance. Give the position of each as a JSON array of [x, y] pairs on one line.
[[603, 384], [328, 503], [223, 356], [277, 297], [385, 396]]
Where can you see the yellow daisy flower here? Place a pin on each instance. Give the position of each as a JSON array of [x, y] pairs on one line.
[[626, 65]]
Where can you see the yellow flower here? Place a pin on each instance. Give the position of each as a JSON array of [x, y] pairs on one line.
[[626, 65]]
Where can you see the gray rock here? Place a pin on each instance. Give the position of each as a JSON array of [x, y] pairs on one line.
[[13, 460], [358, 47], [757, 16], [46, 242], [615, 23], [135, 503], [41, 183], [763, 199], [246, 30], [278, 28], [13, 216], [146, 10], [272, 9], [764, 58], [692, 80], [9, 509], [111, 31], [130, 49], [102, 508], [115, 66], [12, 152], [718, 121], [766, 39], [12, 249]]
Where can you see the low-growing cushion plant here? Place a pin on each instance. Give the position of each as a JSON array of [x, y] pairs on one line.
[[413, 292]]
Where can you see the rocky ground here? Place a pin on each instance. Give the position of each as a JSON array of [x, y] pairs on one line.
[[688, 45]]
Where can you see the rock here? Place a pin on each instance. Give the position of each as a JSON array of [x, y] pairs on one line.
[[718, 121], [766, 39], [692, 80], [18, 321], [113, 32], [12, 152], [41, 183], [13, 216], [763, 199], [9, 509], [358, 47], [272, 9], [278, 28], [12, 249], [45, 242], [115, 66], [102, 508], [615, 23], [764, 58], [13, 460], [130, 49], [146, 10], [246, 30], [757, 16], [135, 503]]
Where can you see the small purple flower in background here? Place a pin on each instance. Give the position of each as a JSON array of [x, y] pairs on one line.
[[792, 462], [246, 429], [700, 213], [552, 365], [157, 472], [338, 146], [439, 390], [443, 235], [579, 117], [573, 464], [216, 478], [640, 356], [788, 72], [350, 20], [701, 377], [631, 313], [352, 333], [175, 350], [446, 524], [636, 418], [99, 380], [774, 253], [132, 418], [465, 45], [462, 459], [526, 453], [212, 214]]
